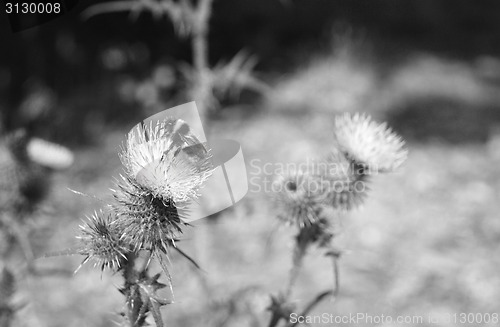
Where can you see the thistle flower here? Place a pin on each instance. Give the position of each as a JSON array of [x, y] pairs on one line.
[[299, 198], [165, 167], [155, 158], [146, 221], [347, 182], [100, 242], [369, 144]]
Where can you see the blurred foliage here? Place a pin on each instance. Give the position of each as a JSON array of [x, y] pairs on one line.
[[81, 65]]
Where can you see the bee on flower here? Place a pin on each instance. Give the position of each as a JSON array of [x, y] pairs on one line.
[[163, 174]]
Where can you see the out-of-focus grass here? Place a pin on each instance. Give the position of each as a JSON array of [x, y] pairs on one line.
[[338, 82], [353, 78], [426, 76]]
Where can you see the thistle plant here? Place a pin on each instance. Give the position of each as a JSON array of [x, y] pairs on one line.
[[162, 175], [203, 82], [309, 200], [25, 164]]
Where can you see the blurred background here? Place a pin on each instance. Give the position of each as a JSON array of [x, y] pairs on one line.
[[426, 241]]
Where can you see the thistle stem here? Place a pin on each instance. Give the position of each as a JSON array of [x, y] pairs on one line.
[[299, 252], [325, 294], [280, 311], [133, 299], [336, 278], [199, 44], [298, 258]]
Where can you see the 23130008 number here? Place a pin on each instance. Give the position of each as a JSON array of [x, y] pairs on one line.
[[32, 8]]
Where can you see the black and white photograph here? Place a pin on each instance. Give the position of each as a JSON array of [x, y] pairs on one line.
[[249, 163]]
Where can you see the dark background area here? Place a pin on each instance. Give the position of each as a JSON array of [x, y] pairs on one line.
[[66, 54]]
